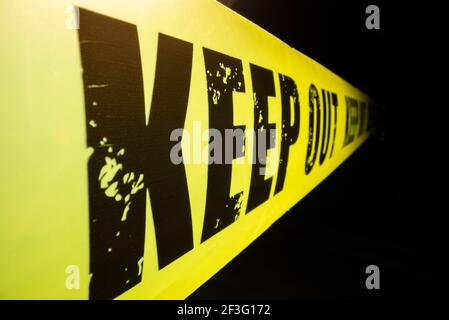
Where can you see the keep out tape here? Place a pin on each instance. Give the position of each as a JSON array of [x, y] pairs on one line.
[[112, 186]]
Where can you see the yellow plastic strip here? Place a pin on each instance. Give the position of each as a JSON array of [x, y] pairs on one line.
[[120, 174]]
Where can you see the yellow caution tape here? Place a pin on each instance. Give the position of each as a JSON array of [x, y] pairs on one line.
[[146, 143]]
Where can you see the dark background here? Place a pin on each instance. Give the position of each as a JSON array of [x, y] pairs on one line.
[[379, 207]]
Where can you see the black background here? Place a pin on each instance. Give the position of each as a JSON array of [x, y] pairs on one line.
[[380, 207]]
